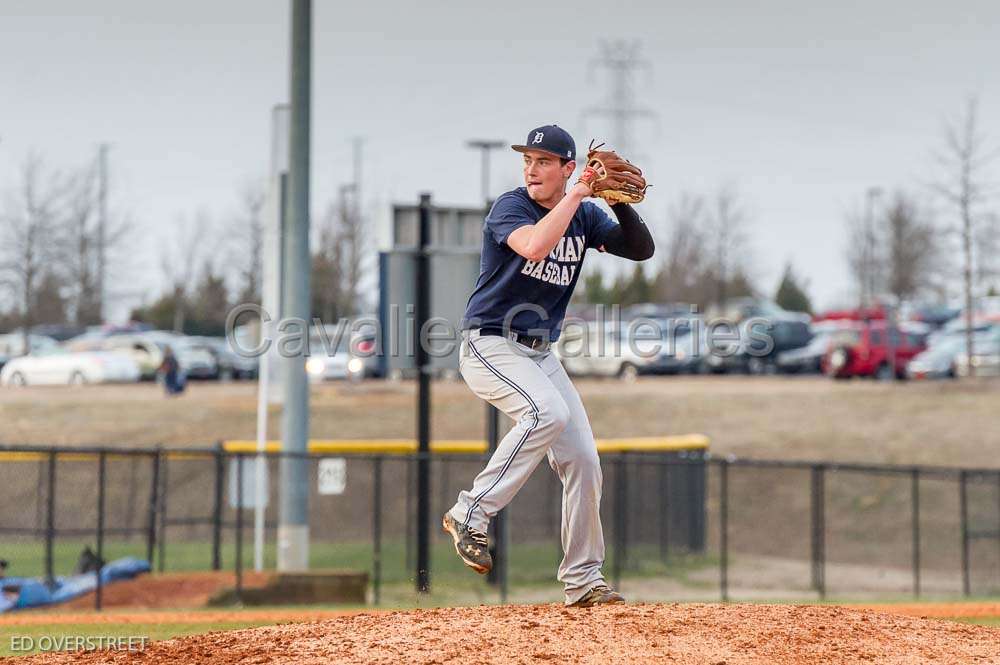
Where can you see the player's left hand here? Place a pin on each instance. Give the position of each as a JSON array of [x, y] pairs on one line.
[[613, 178]]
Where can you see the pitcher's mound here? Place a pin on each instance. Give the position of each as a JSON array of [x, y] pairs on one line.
[[674, 633]]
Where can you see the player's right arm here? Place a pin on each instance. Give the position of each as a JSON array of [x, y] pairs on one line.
[[535, 241]]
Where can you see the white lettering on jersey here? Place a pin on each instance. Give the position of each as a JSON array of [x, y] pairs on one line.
[[559, 267]]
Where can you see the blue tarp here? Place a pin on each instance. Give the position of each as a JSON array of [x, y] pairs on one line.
[[34, 592]]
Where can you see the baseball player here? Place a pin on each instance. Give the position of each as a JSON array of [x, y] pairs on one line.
[[534, 241]]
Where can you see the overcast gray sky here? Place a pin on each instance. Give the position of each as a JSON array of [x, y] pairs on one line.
[[802, 107]]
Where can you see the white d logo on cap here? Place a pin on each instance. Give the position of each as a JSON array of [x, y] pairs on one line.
[[538, 138]]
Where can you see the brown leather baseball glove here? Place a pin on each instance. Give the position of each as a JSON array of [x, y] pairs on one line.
[[612, 177]]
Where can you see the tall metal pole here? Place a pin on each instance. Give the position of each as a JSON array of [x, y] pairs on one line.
[[271, 296], [423, 401], [102, 223], [293, 529], [358, 145]]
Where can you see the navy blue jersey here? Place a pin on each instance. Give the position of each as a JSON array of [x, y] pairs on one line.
[[525, 296]]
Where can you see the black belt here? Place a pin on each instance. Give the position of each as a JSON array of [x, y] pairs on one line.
[[530, 341]]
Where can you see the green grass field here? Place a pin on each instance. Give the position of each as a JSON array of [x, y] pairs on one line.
[[530, 563]]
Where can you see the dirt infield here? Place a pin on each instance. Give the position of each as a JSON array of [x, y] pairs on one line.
[[167, 590], [673, 633]]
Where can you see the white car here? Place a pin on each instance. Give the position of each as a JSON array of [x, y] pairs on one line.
[[326, 363], [58, 366]]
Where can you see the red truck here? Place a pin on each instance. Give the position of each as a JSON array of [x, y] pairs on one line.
[[863, 350]]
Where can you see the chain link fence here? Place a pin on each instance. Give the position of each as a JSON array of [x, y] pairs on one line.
[[678, 526]]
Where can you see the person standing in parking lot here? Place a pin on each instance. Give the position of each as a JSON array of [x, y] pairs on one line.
[[170, 370]]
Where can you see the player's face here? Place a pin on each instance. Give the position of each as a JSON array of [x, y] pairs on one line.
[[545, 176]]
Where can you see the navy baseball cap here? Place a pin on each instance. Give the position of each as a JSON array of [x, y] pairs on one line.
[[552, 139]]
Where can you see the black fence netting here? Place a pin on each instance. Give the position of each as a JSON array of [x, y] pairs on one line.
[[675, 525]]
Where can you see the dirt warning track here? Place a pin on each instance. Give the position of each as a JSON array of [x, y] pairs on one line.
[[670, 633]]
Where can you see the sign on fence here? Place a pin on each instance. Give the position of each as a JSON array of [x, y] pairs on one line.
[[332, 475]]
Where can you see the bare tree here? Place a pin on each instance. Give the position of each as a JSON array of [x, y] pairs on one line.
[[964, 159], [354, 240], [910, 248], [727, 240], [30, 221], [180, 260], [80, 248], [865, 251], [327, 278], [684, 260], [248, 234], [338, 262]]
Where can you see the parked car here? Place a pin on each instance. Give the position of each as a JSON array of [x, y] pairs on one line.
[[936, 316], [863, 350], [753, 319], [196, 362], [985, 355], [59, 366], [597, 351], [228, 363], [146, 353], [365, 361], [331, 359], [808, 359], [937, 361], [12, 345]]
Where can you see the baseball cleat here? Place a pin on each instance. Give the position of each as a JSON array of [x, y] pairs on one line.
[[601, 594], [472, 546]]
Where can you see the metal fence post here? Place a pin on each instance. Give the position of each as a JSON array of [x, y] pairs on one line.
[[153, 500], [217, 508], [664, 504], [963, 507], [410, 521], [40, 495], [164, 484], [50, 521], [239, 527], [377, 531], [724, 529], [694, 494], [818, 524], [101, 481], [619, 521], [915, 516]]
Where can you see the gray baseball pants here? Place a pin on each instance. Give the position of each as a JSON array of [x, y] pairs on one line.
[[532, 388]]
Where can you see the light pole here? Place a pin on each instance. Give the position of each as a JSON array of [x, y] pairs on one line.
[[293, 524], [484, 146]]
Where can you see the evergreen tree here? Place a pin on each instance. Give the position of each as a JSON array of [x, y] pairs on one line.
[[593, 288], [791, 295]]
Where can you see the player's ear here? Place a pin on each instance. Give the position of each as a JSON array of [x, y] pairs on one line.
[[568, 167]]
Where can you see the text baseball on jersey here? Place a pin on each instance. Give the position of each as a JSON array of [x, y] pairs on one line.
[[553, 270]]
